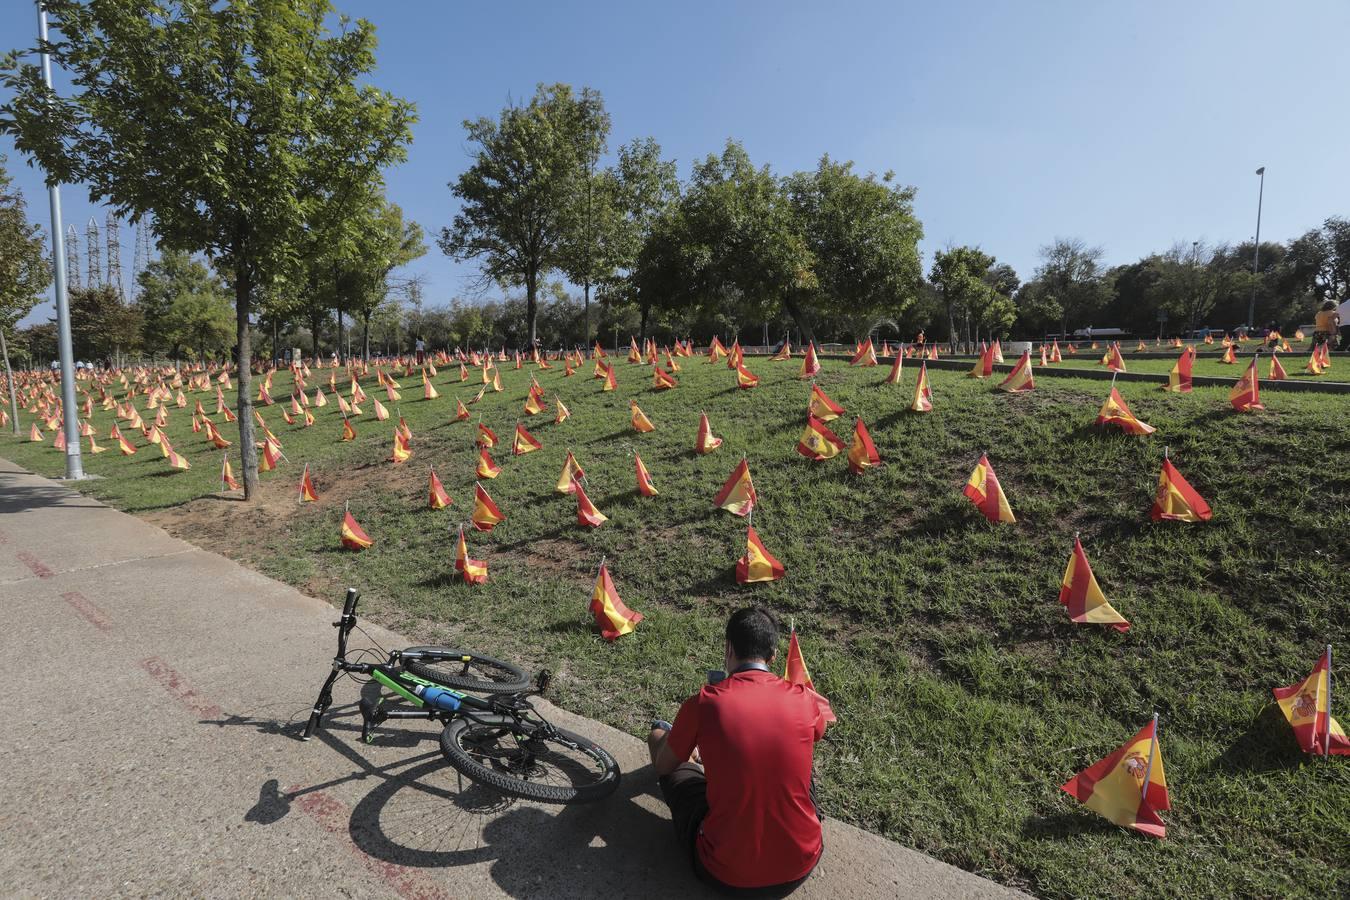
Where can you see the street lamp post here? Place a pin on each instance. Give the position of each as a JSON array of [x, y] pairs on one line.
[[1256, 249], [74, 462]]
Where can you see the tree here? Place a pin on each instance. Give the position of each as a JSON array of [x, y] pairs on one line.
[[1320, 260], [591, 215], [103, 325], [225, 122], [518, 198], [24, 272], [1071, 284], [383, 243], [201, 320], [1190, 280], [165, 280], [863, 237], [959, 274], [643, 188]]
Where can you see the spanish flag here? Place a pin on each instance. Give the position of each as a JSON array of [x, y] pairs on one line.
[[534, 404], [795, 672], [810, 364], [896, 367], [402, 452], [715, 350], [587, 514], [923, 394], [821, 406], [984, 365], [524, 442], [1277, 372], [1307, 706], [644, 478], [486, 467], [704, 441], [1229, 356], [862, 455], [1114, 361], [784, 352], [227, 481], [437, 497], [661, 380], [571, 472], [307, 492], [461, 411], [380, 412], [818, 442], [610, 381], [1128, 787], [1176, 499], [348, 432], [122, 443], [428, 392], [1055, 355], [1115, 412], [987, 494], [176, 460], [641, 423], [1019, 380], [1314, 366], [1079, 592], [486, 515], [614, 618], [486, 436], [353, 536], [1246, 394], [34, 435], [737, 495], [745, 379], [1179, 381], [474, 571], [562, 413], [758, 564], [271, 455], [866, 355]]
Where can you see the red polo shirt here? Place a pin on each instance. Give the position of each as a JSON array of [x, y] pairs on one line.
[[755, 733]]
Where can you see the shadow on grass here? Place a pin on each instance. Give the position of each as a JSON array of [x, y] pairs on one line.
[[1066, 824], [1268, 745]]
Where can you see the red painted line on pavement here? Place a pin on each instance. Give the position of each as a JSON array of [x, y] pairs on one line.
[[37, 566], [334, 817], [179, 689], [91, 613]]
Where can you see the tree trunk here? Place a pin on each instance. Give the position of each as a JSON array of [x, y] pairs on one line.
[[586, 290], [365, 336], [341, 356], [243, 285], [646, 309], [9, 379], [314, 334], [804, 327], [531, 304]]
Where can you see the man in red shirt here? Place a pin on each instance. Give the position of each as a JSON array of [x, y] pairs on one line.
[[747, 813]]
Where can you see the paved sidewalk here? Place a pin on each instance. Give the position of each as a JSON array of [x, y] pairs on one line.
[[149, 749]]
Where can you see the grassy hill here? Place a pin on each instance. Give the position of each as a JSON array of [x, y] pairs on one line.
[[965, 696]]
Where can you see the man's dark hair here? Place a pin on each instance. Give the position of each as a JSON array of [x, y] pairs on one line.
[[753, 633]]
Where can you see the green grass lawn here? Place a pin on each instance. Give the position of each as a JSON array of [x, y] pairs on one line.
[[965, 697]]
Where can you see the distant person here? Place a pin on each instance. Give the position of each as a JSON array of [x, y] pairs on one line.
[[735, 768], [420, 346], [1273, 336], [1328, 324], [920, 338]]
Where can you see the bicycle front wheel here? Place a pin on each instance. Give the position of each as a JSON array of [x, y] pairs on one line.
[[465, 670], [517, 759]]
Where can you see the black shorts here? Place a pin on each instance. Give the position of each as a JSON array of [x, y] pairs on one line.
[[686, 793]]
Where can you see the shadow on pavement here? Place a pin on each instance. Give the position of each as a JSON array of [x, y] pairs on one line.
[[17, 498]]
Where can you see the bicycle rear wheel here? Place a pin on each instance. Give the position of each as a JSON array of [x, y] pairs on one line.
[[511, 756], [465, 670]]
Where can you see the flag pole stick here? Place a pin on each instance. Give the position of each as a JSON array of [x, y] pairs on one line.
[[1152, 752], [1326, 738]]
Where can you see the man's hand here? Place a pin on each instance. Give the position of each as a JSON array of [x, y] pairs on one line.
[[664, 760]]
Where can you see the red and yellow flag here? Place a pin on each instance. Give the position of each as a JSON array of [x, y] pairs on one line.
[[1176, 499], [614, 618], [571, 473], [1179, 380], [661, 380], [1114, 361], [353, 536], [437, 496], [1229, 356], [923, 394], [474, 571], [1114, 411], [307, 492], [534, 404], [862, 455], [1277, 372], [486, 515], [821, 406], [705, 441], [348, 432], [587, 514], [1080, 593], [737, 495], [402, 451], [176, 460], [1128, 787], [896, 369], [644, 478], [486, 436], [611, 382], [641, 423], [271, 455], [818, 442], [987, 494], [461, 411], [428, 392], [745, 379], [34, 435], [866, 355], [758, 564], [486, 467], [1020, 379], [795, 672], [810, 364], [984, 364], [524, 442], [784, 352], [1246, 394], [1307, 707], [562, 412], [227, 481]]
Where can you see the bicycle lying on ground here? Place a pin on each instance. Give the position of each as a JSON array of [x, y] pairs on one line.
[[498, 740]]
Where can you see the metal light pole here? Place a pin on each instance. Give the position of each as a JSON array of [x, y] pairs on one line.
[[1256, 252], [74, 462]]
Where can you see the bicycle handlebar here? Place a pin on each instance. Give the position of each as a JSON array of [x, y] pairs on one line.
[[349, 606]]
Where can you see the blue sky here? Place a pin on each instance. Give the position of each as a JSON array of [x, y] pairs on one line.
[[1130, 125]]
